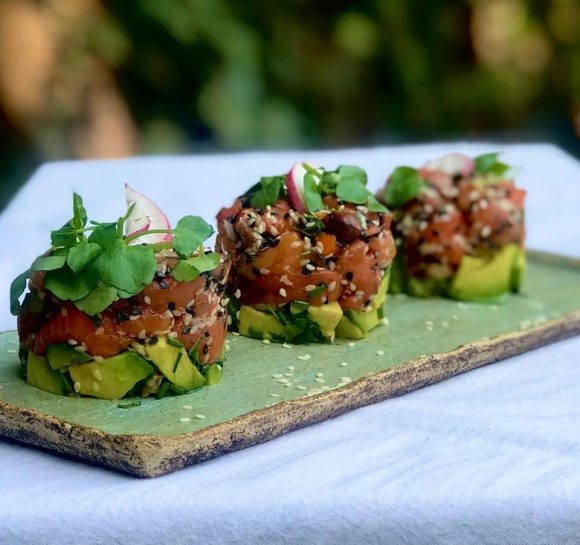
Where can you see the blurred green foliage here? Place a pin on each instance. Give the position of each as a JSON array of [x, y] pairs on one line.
[[201, 74]]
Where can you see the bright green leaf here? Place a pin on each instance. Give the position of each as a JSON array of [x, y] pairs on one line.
[[104, 234], [352, 173], [189, 234], [128, 268], [403, 186], [189, 269], [79, 213], [81, 254], [97, 300], [312, 197], [351, 190], [489, 163], [268, 193], [68, 286], [48, 263], [375, 206], [65, 236]]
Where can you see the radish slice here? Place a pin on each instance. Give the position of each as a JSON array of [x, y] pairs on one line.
[[145, 216], [452, 164], [295, 185]]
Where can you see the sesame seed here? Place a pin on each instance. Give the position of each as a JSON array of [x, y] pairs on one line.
[[286, 345], [288, 385], [429, 322], [385, 321], [310, 267], [11, 351], [63, 311], [319, 375], [72, 342], [184, 419], [486, 231], [295, 244], [304, 357], [290, 368], [264, 271], [343, 364], [172, 334], [310, 287], [266, 341], [77, 387], [282, 380], [319, 380], [429, 328], [380, 352], [147, 300], [314, 391], [351, 344], [288, 374], [97, 374], [187, 407], [282, 292], [274, 395], [95, 386], [301, 387], [345, 380], [200, 416], [229, 322], [277, 375], [99, 359], [235, 334], [237, 294], [332, 286]]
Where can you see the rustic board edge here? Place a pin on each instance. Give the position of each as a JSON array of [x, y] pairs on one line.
[[152, 456]]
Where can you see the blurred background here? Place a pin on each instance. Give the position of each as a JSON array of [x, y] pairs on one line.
[[106, 78]]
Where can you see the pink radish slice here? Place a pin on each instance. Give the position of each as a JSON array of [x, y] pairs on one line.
[[146, 216], [452, 164], [295, 185]]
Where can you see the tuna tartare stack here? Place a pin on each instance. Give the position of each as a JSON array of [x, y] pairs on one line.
[[311, 253], [459, 228], [131, 307]]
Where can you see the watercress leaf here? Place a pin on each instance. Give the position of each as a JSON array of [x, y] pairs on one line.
[[404, 185], [104, 234], [485, 162], [351, 190], [205, 262], [352, 173], [65, 236], [17, 288], [375, 206], [97, 300], [68, 286], [269, 192], [79, 212], [184, 272], [312, 197], [189, 234], [48, 263], [81, 254], [128, 268]]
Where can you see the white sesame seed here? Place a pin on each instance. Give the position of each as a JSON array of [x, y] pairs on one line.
[[95, 386], [290, 368], [286, 345], [332, 286], [237, 293], [200, 416], [351, 344], [184, 419], [301, 387], [345, 379], [343, 364], [288, 374], [99, 359], [277, 375], [77, 387], [303, 357], [187, 407], [288, 385], [380, 352], [310, 267], [264, 271], [310, 287], [63, 311], [295, 244], [11, 351], [172, 334], [385, 321], [97, 374], [274, 395], [319, 380], [72, 342], [486, 231], [266, 341], [314, 391], [235, 334], [319, 374], [282, 292], [282, 380], [147, 300], [429, 328]]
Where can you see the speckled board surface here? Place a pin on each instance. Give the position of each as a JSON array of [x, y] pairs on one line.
[[270, 390]]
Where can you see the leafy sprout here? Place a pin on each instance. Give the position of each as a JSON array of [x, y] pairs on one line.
[[95, 271]]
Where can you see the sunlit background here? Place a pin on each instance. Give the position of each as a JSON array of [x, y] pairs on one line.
[[106, 78]]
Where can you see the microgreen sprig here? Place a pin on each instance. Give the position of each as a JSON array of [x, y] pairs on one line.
[[97, 270]]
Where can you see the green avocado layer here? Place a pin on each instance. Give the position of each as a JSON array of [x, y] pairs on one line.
[[164, 363], [299, 322], [486, 277]]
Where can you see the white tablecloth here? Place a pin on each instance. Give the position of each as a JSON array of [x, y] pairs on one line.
[[490, 457]]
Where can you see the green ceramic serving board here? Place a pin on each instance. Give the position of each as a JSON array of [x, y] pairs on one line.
[[269, 390]]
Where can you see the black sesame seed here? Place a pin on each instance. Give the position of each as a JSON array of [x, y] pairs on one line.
[[190, 311], [306, 271], [287, 216], [206, 333], [205, 349], [256, 271], [122, 317], [163, 284], [135, 311], [349, 276], [171, 305], [220, 313], [367, 302], [186, 330]]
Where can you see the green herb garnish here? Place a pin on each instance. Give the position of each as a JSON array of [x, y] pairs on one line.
[[317, 290], [177, 360], [404, 185], [488, 163], [267, 191], [95, 271]]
